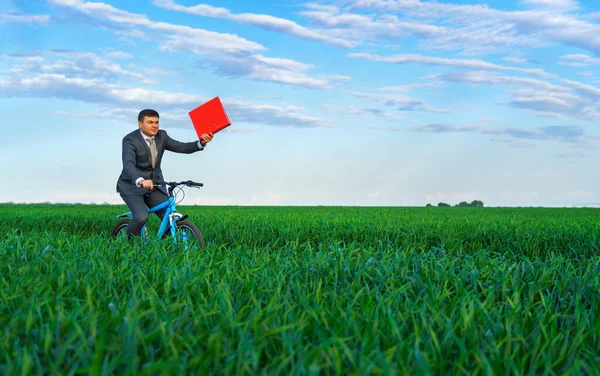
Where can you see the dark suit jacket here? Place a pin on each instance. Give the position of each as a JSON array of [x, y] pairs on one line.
[[137, 160]]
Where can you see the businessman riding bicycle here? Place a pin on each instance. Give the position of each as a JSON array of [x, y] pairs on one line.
[[142, 154]]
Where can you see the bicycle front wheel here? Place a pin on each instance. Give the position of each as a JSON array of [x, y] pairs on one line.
[[188, 234]]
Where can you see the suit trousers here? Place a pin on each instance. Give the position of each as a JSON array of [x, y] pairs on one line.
[[139, 208]]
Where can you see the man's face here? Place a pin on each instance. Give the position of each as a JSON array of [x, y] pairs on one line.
[[149, 125]]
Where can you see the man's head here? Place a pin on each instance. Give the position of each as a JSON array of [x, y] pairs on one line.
[[148, 122]]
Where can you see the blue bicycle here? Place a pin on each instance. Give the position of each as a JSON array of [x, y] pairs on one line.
[[182, 231]]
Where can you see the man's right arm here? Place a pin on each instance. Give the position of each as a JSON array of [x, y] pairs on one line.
[[129, 166]]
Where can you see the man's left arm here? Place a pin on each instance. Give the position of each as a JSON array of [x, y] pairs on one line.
[[183, 147]]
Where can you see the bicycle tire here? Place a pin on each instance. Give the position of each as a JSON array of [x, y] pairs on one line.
[[185, 224], [122, 226]]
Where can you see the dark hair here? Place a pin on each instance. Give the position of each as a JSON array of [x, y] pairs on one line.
[[148, 113]]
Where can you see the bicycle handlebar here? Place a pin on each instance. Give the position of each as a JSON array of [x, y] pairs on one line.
[[189, 183], [172, 185]]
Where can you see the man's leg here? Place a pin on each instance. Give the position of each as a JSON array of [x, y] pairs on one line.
[[157, 197], [140, 214]]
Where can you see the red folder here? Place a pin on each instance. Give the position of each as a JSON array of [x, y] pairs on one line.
[[209, 117]]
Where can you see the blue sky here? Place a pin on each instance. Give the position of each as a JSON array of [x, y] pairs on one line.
[[353, 102]]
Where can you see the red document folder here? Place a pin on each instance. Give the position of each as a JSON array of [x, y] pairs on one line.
[[209, 117]]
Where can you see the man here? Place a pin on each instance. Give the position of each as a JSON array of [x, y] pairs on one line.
[[142, 154]]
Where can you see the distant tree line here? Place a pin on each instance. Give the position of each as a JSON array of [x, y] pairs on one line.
[[474, 203]]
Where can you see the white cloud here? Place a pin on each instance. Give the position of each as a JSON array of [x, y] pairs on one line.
[[177, 36], [277, 115], [153, 71], [76, 64], [546, 103], [583, 89], [400, 102], [93, 64], [90, 78], [573, 99], [228, 54], [519, 60], [263, 21], [586, 74], [479, 77], [489, 118], [29, 58], [322, 7], [470, 28], [579, 60], [119, 55], [360, 26], [362, 113], [126, 114], [514, 59], [261, 68], [447, 62], [408, 87], [337, 77], [171, 118], [465, 105], [567, 134], [24, 18], [475, 33], [59, 86], [553, 4]]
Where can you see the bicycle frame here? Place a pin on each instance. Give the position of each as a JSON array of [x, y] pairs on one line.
[[171, 216]]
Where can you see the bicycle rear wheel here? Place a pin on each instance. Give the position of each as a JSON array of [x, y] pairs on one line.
[[189, 235], [120, 230]]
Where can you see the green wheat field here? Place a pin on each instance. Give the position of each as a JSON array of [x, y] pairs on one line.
[[303, 291]]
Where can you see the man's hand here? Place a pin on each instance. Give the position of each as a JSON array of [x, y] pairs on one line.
[[147, 184], [206, 138]]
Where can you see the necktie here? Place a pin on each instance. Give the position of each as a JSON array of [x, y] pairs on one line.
[[152, 151]]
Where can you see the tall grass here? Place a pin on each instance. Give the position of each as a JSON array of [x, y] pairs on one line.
[[302, 290]]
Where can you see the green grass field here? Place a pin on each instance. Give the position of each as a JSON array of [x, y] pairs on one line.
[[298, 290]]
